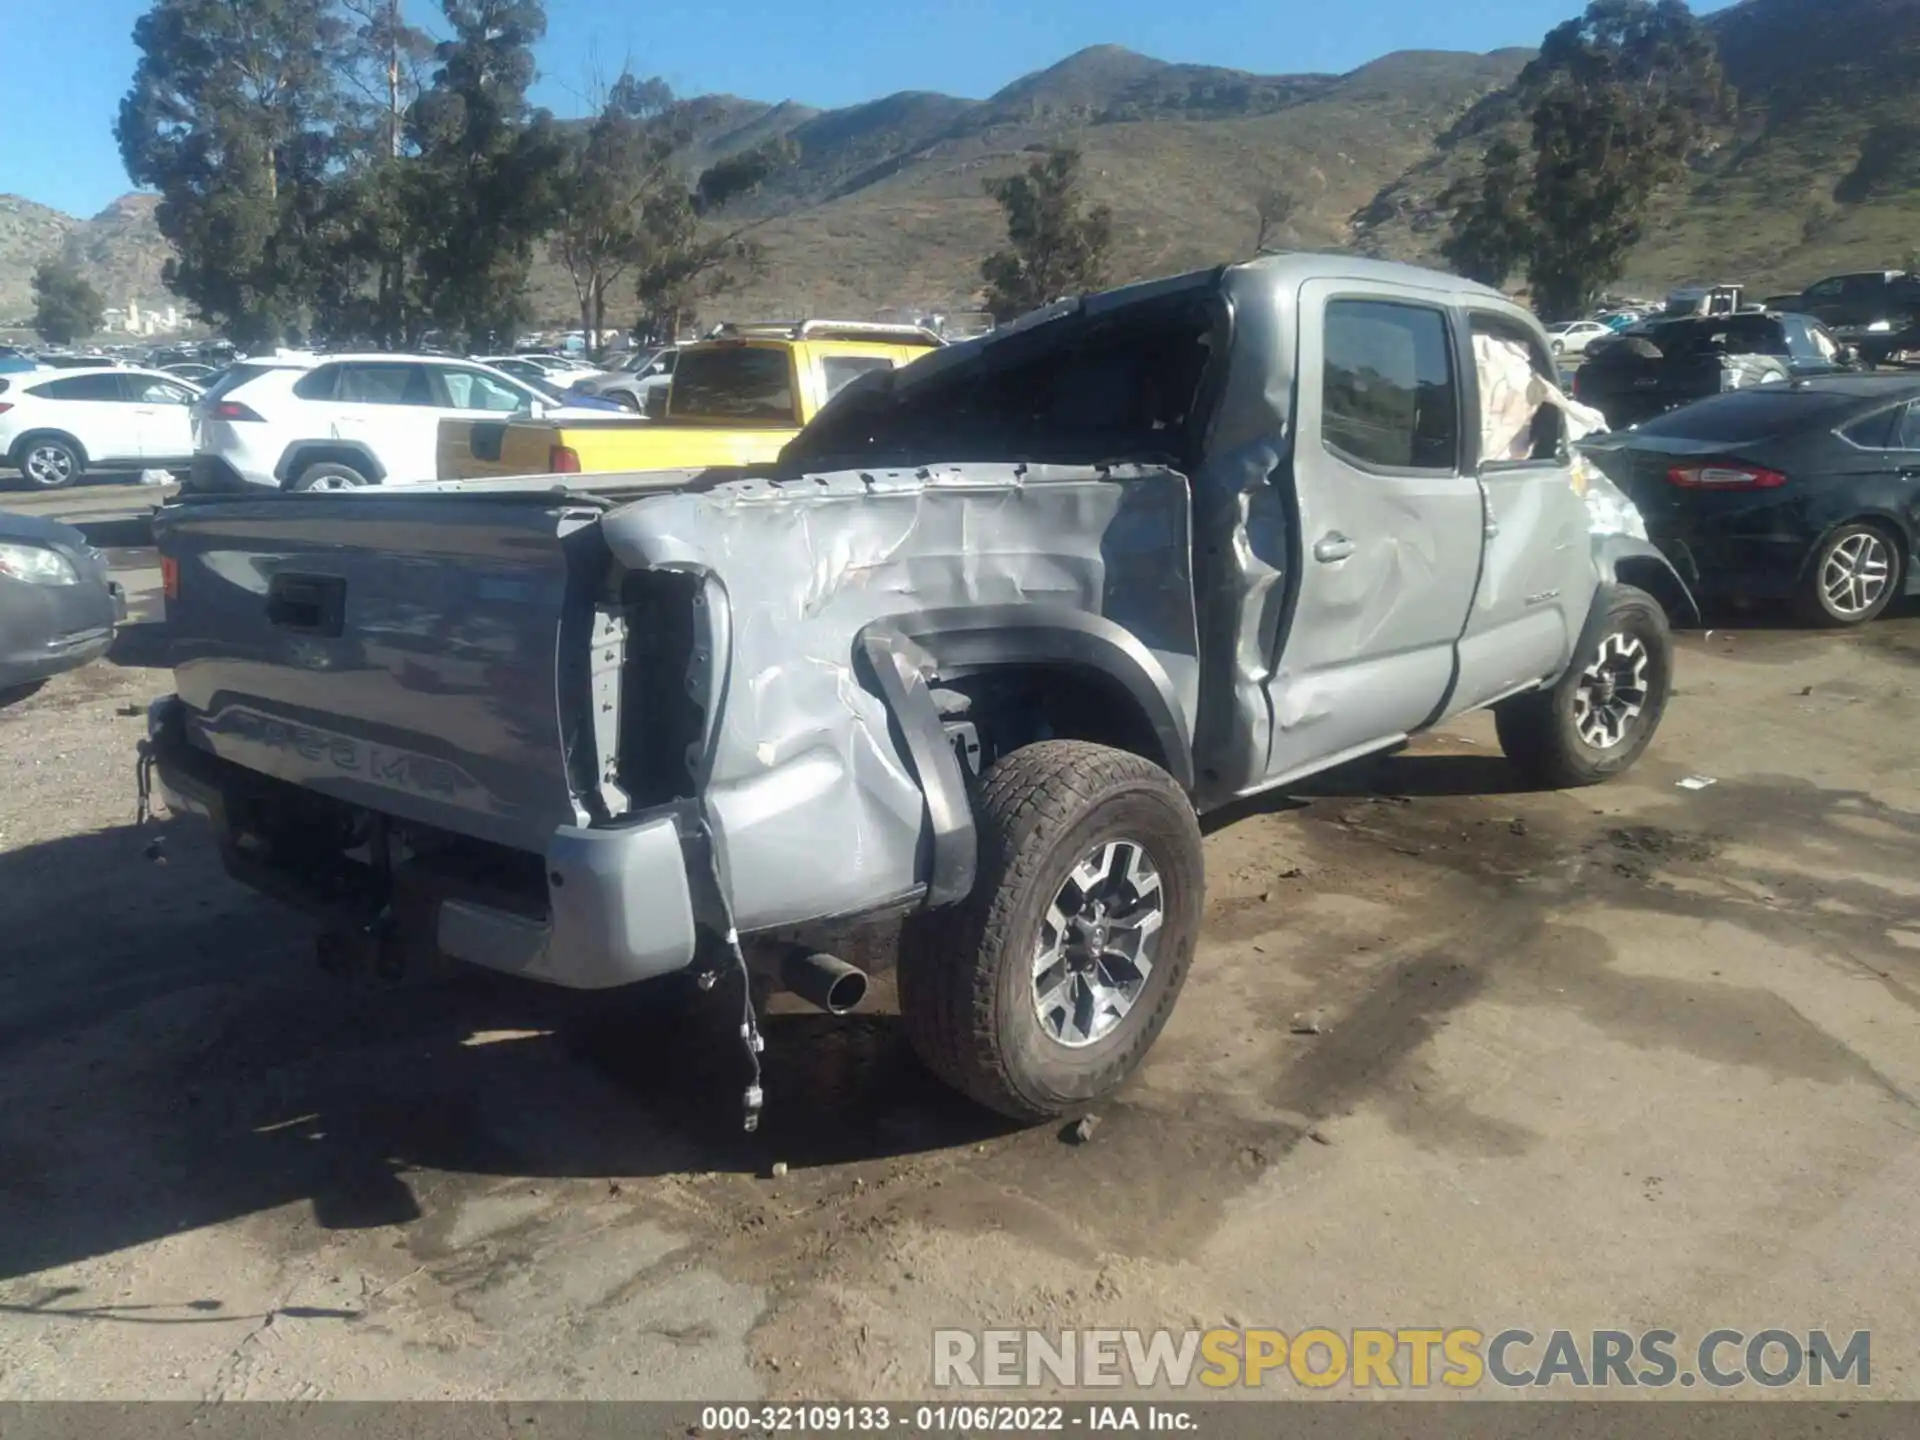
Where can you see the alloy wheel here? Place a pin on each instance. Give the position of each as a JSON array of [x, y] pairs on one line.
[[1097, 943], [1856, 573], [1612, 693], [49, 465]]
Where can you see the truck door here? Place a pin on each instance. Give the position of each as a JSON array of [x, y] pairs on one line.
[[1537, 580], [1390, 523]]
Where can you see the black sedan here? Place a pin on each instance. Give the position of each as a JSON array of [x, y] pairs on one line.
[[58, 608], [1806, 491]]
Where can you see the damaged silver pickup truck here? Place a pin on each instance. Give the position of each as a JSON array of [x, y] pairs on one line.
[[967, 661]]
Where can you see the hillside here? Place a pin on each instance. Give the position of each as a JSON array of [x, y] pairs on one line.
[[885, 208], [121, 250], [1822, 173], [1182, 189]]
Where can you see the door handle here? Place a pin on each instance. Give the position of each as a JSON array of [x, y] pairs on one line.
[[307, 604], [1333, 548]]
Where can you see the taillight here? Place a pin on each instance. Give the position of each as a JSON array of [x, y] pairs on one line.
[[169, 577], [234, 410], [563, 460], [1725, 477]]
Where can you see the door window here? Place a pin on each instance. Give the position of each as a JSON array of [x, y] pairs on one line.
[[1807, 342], [1391, 400], [81, 387], [385, 385], [159, 392], [471, 390], [1516, 423]]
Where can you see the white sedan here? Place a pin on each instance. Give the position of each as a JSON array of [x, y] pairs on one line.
[[1574, 338]]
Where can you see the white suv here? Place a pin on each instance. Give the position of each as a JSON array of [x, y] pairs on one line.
[[334, 422], [55, 425]]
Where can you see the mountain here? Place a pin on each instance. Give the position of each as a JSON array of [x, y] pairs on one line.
[[885, 209], [121, 250], [910, 230], [1820, 174]]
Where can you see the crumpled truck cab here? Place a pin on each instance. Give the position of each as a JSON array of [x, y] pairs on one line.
[[970, 661]]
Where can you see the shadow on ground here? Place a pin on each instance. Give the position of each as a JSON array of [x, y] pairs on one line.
[[171, 1058], [142, 645], [119, 533]]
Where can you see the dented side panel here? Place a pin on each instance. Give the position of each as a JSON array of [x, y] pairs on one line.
[[811, 795]]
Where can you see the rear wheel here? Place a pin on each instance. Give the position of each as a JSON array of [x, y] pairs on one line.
[[1042, 992], [1600, 716], [329, 475], [1852, 577], [50, 462]]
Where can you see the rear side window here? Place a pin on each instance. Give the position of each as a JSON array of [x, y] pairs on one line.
[[737, 383], [321, 384], [1390, 397], [1875, 431], [81, 387], [236, 376], [840, 371], [1907, 437]]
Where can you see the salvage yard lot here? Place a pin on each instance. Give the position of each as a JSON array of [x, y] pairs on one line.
[[1451, 1055]]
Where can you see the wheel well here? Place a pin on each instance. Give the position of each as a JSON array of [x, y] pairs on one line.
[[20, 445], [1644, 572], [303, 457], [1014, 705]]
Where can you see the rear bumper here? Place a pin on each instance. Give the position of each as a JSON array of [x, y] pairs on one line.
[[618, 902]]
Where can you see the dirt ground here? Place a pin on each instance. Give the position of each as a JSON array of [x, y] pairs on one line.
[[1450, 1055]]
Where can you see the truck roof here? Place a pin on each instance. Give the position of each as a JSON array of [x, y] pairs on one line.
[[870, 331]]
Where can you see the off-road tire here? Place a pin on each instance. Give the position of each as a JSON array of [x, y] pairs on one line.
[[1539, 731], [966, 971], [314, 476], [1810, 603]]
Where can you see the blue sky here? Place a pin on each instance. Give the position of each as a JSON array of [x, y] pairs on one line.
[[74, 57]]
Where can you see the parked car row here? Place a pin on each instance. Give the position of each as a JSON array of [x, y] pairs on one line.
[[337, 422]]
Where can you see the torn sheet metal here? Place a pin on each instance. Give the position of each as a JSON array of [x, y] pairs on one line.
[[814, 807]]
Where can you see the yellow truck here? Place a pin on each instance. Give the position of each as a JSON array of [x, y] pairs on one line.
[[736, 398]]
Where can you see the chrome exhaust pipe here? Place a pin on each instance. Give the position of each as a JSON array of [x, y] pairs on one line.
[[824, 981]]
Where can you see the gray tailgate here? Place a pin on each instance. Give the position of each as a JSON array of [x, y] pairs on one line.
[[412, 653]]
